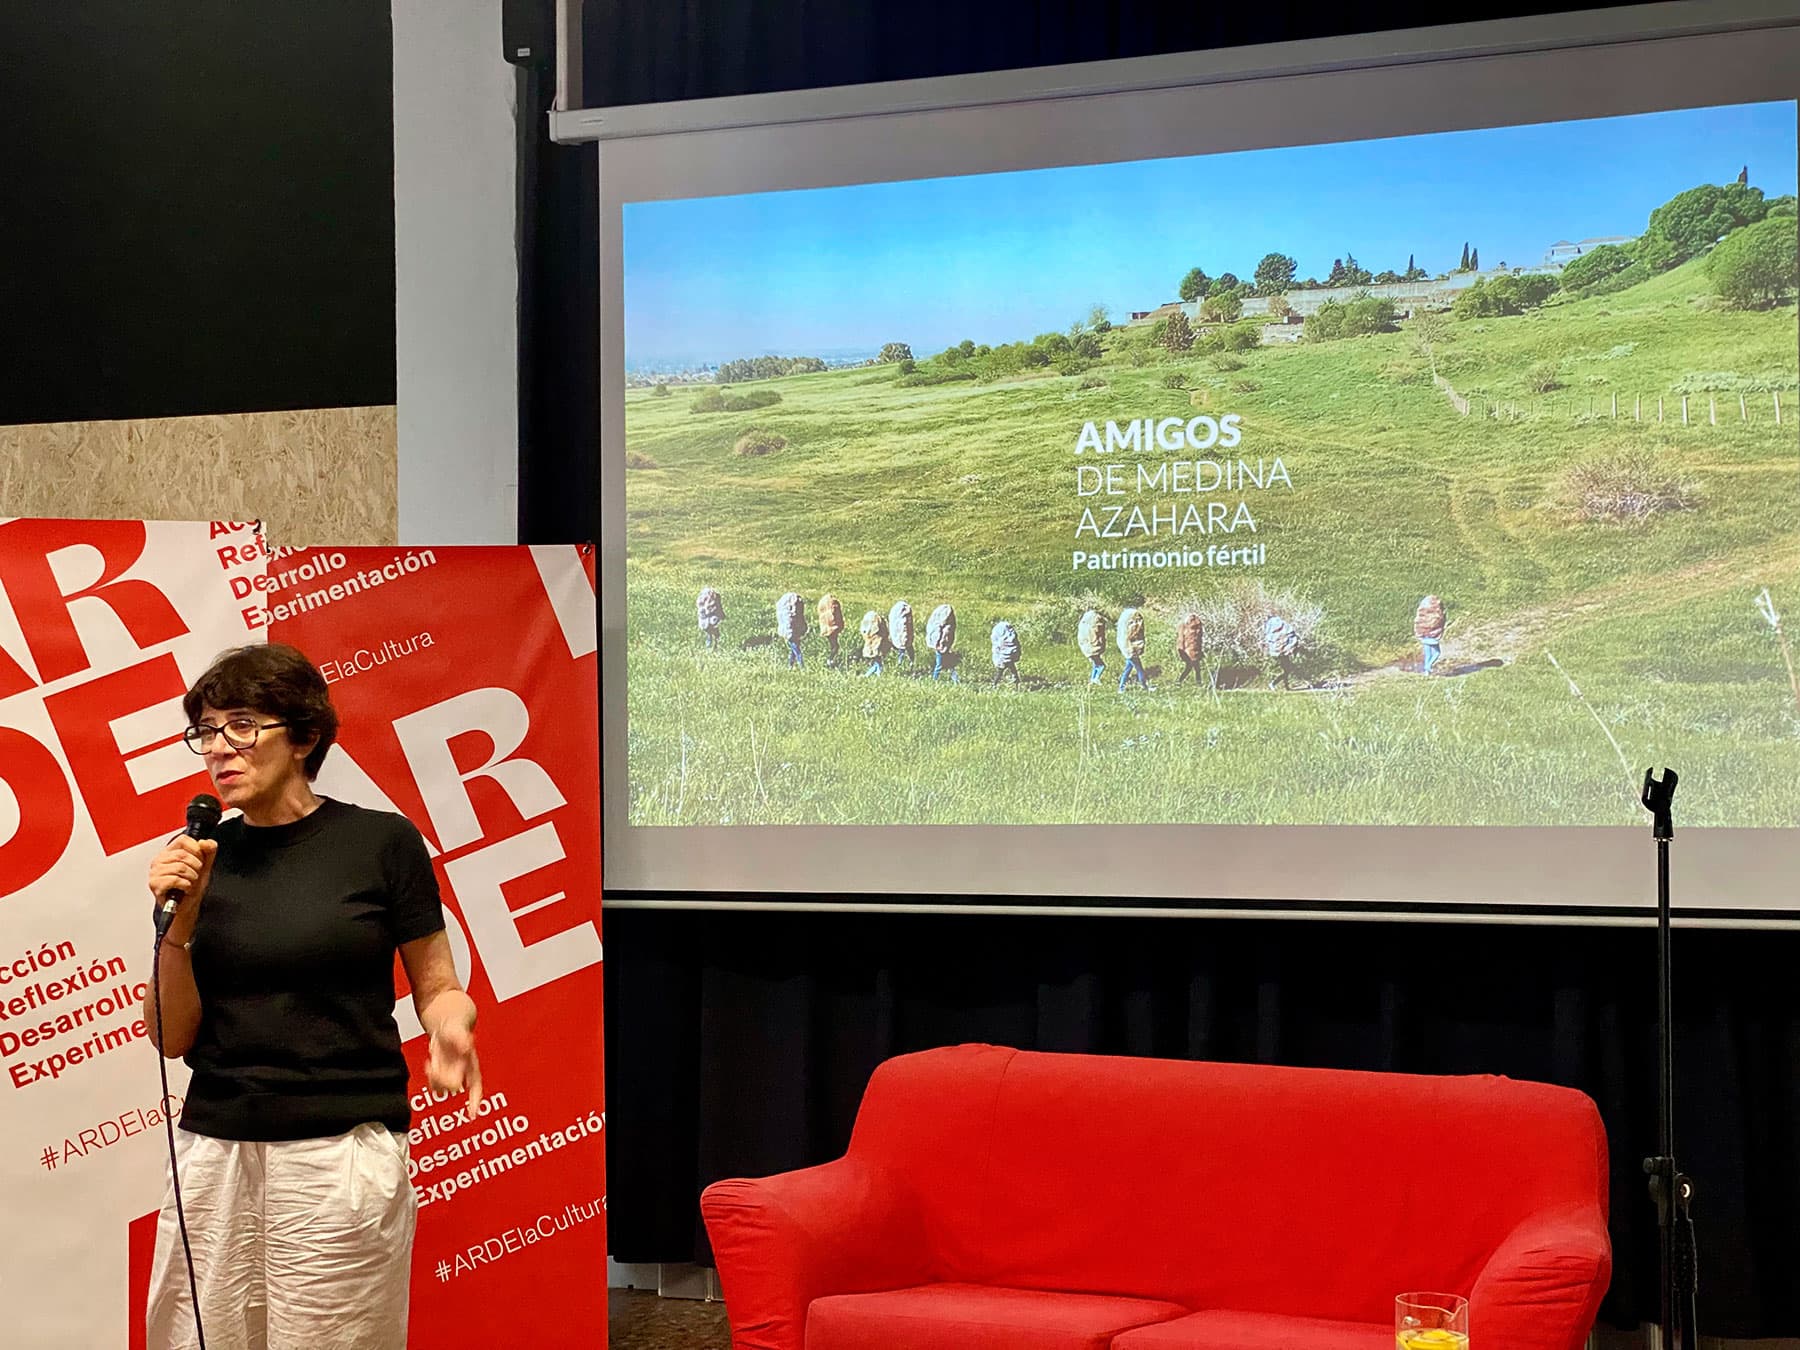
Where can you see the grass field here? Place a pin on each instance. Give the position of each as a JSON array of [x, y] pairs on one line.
[[965, 493]]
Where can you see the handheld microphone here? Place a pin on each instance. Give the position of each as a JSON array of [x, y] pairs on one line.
[[202, 819]]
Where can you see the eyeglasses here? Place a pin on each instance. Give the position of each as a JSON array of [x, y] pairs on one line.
[[240, 733]]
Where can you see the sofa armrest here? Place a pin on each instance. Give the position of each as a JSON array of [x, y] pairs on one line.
[[1541, 1289], [780, 1242]]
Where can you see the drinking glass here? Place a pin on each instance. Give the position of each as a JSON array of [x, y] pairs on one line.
[[1431, 1322]]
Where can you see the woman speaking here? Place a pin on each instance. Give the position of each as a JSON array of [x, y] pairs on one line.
[[277, 988]]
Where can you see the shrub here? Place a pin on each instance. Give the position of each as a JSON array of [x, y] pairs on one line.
[[1072, 365], [1244, 386], [1368, 314], [1178, 336], [1227, 362], [1175, 379], [1757, 265], [1222, 306], [1596, 266], [637, 459], [894, 351], [1233, 617], [768, 368], [1326, 323], [1497, 297], [1279, 308], [919, 379], [908, 366], [714, 400], [1543, 377], [757, 441], [1091, 382], [661, 390], [1242, 337], [1691, 222], [1628, 486]]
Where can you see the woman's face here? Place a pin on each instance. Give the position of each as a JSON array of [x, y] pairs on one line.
[[257, 774]]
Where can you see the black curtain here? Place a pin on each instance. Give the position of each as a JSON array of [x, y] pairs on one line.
[[740, 1043], [199, 207]]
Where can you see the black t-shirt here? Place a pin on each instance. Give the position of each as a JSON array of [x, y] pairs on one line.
[[294, 960]]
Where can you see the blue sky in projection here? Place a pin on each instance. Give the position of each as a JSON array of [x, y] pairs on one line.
[[998, 257]]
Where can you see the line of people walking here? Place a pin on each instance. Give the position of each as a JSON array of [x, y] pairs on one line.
[[890, 638]]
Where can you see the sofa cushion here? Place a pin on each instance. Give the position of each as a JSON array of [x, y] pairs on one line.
[[1220, 1329], [974, 1317]]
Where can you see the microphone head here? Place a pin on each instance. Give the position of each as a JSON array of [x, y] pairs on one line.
[[203, 815]]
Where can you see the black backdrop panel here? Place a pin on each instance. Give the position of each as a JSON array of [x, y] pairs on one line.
[[199, 211], [739, 1044]]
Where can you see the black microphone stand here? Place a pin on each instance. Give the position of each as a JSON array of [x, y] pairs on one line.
[[1670, 1188]]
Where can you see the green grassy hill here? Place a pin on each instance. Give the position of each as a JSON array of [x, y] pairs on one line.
[[966, 492]]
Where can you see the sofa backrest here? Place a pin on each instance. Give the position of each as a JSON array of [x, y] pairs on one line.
[[1310, 1191]]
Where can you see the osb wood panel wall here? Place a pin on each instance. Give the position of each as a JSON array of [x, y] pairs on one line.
[[319, 476]]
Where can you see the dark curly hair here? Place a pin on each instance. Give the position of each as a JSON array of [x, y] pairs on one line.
[[275, 679]]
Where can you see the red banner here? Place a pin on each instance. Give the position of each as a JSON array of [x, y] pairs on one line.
[[465, 679], [466, 682]]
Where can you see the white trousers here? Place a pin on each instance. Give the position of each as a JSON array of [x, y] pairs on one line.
[[299, 1245]]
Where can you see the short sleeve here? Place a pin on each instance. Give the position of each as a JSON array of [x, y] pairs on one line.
[[415, 909]]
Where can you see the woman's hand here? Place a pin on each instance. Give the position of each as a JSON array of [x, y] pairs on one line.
[[185, 865], [452, 1065]]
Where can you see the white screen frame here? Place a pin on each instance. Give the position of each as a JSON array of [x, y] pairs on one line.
[[1576, 66]]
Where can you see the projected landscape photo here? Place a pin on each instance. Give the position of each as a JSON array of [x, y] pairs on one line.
[[1441, 480]]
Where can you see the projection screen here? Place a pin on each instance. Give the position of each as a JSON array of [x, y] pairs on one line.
[[1320, 479]]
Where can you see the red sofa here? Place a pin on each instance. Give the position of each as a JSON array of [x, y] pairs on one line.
[[996, 1199]]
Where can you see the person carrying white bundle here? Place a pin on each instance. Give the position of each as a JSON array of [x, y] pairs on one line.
[[940, 636], [790, 622], [1005, 644], [1131, 647], [874, 631], [1090, 636], [831, 623], [709, 608], [1281, 640], [900, 630]]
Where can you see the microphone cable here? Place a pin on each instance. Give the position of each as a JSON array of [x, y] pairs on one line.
[[162, 1066]]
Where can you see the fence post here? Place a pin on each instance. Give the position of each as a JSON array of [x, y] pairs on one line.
[[1637, 408], [1615, 407], [1659, 408], [1684, 415], [1778, 407], [1712, 409], [1743, 412]]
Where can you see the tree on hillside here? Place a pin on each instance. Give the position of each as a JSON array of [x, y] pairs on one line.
[[1195, 285], [1387, 278], [1463, 266], [1279, 308], [1744, 175], [1178, 336], [1099, 319], [1758, 265], [1411, 270], [1474, 260], [1335, 277], [1691, 222], [1782, 206], [1275, 273], [894, 351], [1222, 306], [1595, 266], [1227, 281]]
